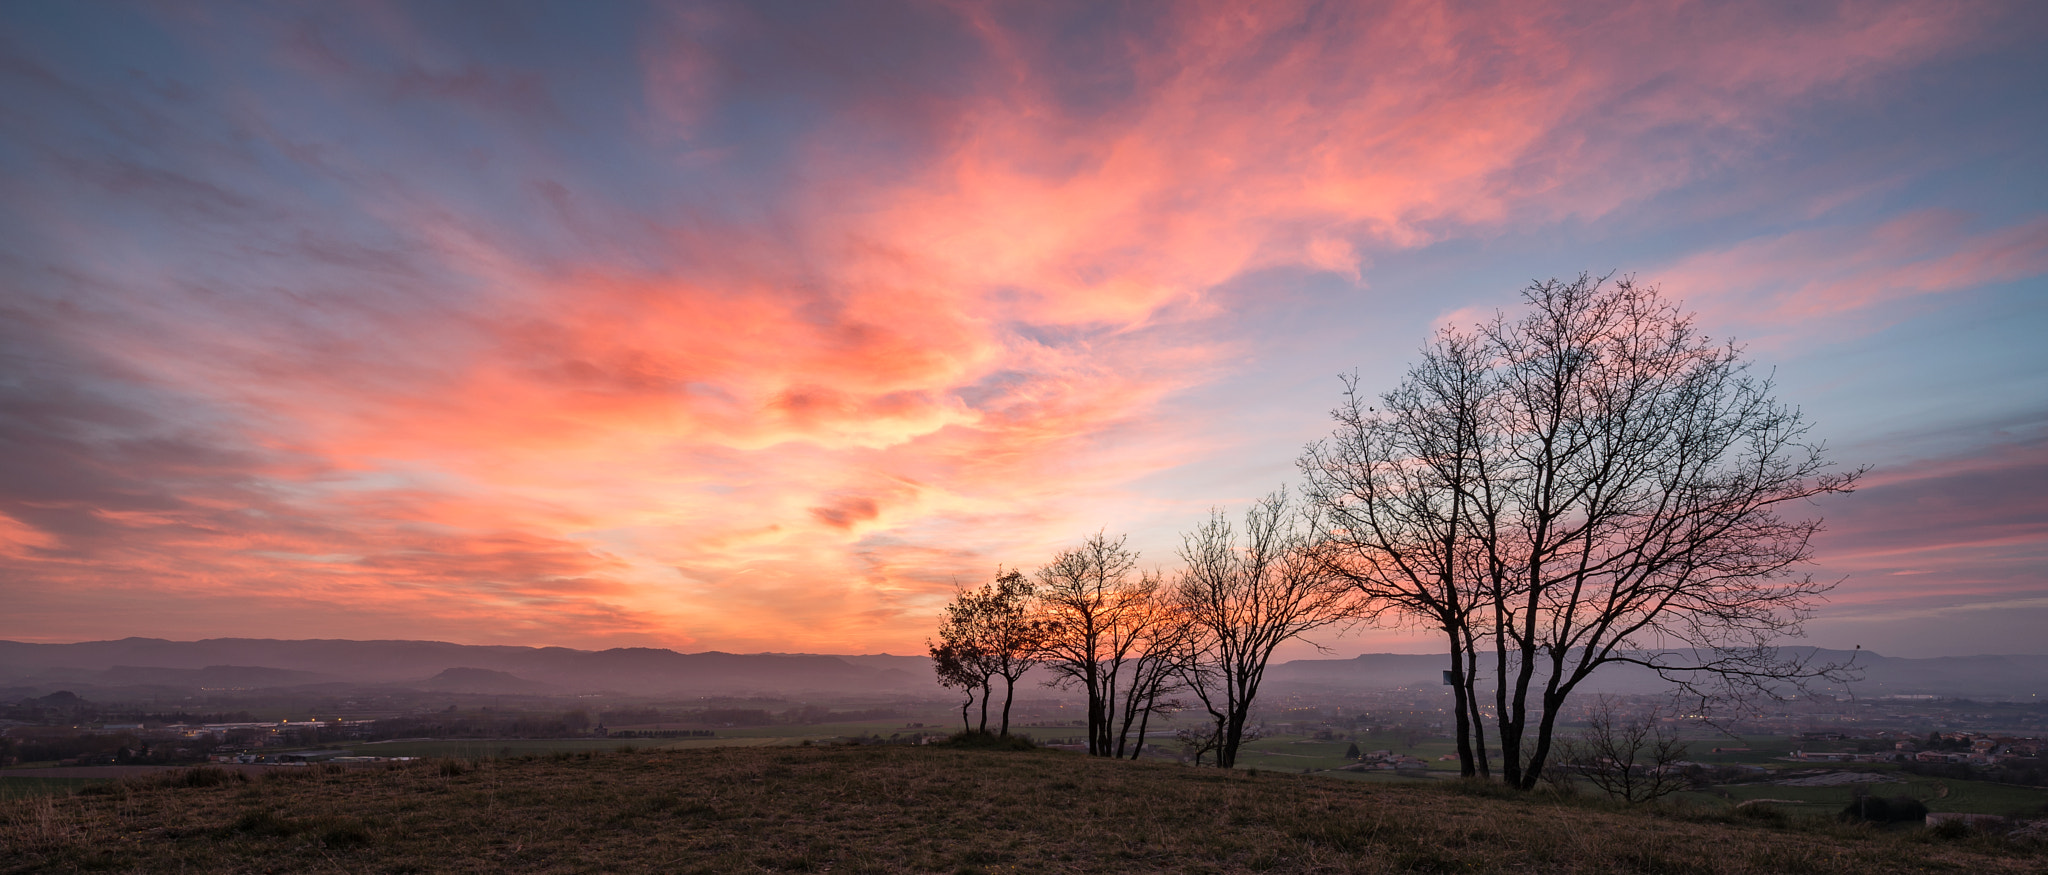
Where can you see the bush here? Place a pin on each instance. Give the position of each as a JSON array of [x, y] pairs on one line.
[[263, 822], [205, 776], [1950, 830], [1762, 812], [1897, 809]]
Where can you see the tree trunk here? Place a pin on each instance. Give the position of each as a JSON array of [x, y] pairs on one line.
[[1009, 693], [986, 685], [1478, 716], [1514, 714], [1143, 722], [1232, 736], [1545, 728], [1095, 715], [1467, 765]]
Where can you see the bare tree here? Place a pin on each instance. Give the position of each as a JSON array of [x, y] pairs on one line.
[[1631, 757], [1102, 629], [1622, 505], [1195, 743], [1246, 596], [1641, 518], [1165, 644], [1400, 490]]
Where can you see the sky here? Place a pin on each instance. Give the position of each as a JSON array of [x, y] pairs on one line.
[[760, 326]]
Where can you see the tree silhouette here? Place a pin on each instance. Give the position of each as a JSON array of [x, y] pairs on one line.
[[1610, 491], [1247, 595], [989, 632], [1108, 631]]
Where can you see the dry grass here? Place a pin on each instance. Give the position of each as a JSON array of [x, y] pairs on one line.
[[895, 809]]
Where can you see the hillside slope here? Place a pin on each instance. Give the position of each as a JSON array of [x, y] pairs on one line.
[[901, 809]]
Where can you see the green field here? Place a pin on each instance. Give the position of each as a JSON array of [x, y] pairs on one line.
[[1939, 794], [1293, 754], [1763, 750]]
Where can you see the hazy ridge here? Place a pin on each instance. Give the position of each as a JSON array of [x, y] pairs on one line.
[[254, 663]]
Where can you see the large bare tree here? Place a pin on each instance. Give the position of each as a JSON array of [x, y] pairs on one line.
[[1624, 503], [1245, 595]]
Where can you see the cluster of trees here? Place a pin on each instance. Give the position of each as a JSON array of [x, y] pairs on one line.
[[86, 748], [1588, 483], [1136, 642], [62, 706], [469, 724]]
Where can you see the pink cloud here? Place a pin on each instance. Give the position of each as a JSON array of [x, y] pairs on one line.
[[941, 341], [1805, 277]]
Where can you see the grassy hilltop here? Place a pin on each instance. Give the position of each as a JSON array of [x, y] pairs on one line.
[[906, 809]]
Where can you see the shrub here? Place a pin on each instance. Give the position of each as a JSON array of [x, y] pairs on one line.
[[263, 822], [204, 776], [1950, 829], [1762, 812], [1897, 809], [340, 832]]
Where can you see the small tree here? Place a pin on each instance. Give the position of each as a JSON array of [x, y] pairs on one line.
[[1634, 758], [960, 669], [1106, 631], [1165, 644], [988, 633], [1011, 634], [1197, 742], [1247, 596]]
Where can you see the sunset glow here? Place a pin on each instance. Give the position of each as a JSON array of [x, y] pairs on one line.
[[756, 327]]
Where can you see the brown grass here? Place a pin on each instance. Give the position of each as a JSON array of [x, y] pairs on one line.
[[897, 809]]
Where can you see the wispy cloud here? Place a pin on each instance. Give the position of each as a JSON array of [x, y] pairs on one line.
[[735, 325]]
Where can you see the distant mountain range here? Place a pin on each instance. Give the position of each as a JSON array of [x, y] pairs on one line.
[[254, 663], [246, 663], [2000, 677]]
